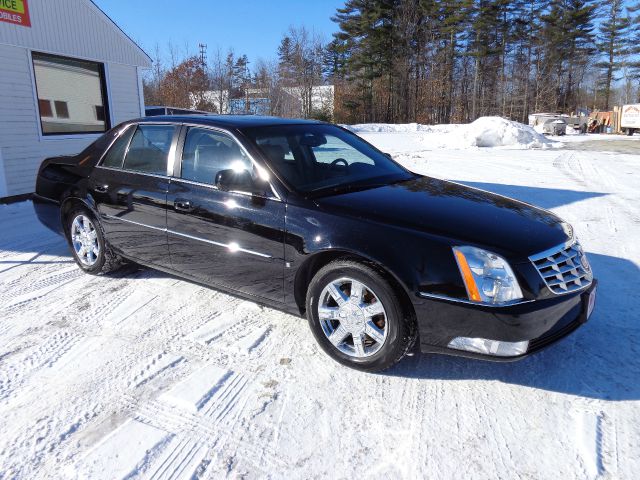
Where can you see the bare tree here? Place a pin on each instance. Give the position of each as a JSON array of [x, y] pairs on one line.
[[220, 80], [300, 66]]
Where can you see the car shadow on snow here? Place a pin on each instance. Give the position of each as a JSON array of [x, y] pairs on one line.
[[541, 197], [600, 360]]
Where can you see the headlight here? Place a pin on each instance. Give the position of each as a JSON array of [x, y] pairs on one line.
[[487, 277]]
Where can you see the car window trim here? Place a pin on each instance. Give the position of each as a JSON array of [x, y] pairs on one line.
[[177, 168], [122, 170], [170, 154], [115, 139]]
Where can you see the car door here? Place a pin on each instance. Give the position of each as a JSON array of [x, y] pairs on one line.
[[232, 239], [130, 189]]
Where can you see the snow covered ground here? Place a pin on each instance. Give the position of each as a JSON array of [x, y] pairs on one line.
[[140, 373], [484, 132]]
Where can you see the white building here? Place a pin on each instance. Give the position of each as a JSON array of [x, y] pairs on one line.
[[319, 98], [68, 74]]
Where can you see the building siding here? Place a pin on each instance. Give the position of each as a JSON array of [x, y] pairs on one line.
[[75, 28], [125, 97], [23, 149]]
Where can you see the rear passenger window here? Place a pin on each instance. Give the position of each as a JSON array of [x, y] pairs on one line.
[[115, 155], [149, 149], [206, 152]]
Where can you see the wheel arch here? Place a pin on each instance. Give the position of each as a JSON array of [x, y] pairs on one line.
[[318, 260], [69, 203]]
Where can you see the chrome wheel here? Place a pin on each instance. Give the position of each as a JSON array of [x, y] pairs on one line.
[[352, 317], [84, 239]]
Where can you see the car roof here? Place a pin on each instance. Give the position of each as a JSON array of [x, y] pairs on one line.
[[229, 121]]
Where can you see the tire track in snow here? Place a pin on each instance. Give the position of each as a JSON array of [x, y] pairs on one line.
[[230, 397], [572, 167], [15, 372], [215, 420], [93, 309], [39, 290], [180, 460], [153, 367], [252, 341], [124, 452], [216, 434], [595, 438]]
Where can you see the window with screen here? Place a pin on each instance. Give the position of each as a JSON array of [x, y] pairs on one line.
[[206, 152], [149, 149], [76, 88]]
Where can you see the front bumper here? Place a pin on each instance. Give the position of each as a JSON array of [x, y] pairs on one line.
[[540, 322]]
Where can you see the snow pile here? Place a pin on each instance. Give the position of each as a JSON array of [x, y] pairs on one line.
[[498, 132], [484, 132]]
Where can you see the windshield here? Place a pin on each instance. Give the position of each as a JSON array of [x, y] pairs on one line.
[[320, 159]]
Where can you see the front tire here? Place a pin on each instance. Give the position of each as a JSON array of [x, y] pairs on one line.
[[357, 318], [89, 248]]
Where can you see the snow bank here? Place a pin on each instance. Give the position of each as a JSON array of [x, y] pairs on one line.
[[484, 132], [498, 132]]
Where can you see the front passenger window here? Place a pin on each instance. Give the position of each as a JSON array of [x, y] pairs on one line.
[[149, 149], [206, 152]]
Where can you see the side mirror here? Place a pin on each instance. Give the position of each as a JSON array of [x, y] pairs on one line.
[[234, 180]]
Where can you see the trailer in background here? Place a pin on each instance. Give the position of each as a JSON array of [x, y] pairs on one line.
[[630, 119]]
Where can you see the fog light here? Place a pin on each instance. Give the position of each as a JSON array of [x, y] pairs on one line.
[[489, 347]]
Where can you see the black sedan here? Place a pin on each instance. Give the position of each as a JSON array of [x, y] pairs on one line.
[[311, 219]]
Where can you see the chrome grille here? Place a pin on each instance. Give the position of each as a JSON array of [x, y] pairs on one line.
[[564, 269]]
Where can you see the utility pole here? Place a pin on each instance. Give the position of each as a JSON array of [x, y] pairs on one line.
[[203, 54]]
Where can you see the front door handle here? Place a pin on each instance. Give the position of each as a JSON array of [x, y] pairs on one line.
[[102, 188], [183, 205]]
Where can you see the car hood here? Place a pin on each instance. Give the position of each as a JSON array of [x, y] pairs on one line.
[[463, 214]]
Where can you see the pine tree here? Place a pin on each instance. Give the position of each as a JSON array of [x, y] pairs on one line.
[[485, 47], [368, 24], [526, 39], [335, 60], [634, 45], [286, 60], [569, 44], [613, 44]]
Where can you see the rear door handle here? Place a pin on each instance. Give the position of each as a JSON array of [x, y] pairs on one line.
[[102, 188], [183, 205]]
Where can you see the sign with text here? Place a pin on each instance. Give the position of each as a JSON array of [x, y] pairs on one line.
[[630, 116], [15, 11]]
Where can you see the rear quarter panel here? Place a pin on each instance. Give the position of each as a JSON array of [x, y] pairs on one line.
[[63, 177]]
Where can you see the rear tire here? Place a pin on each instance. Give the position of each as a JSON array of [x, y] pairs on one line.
[[357, 318], [88, 246]]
